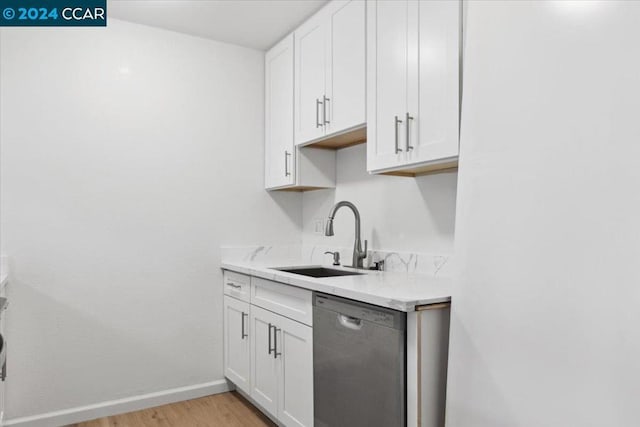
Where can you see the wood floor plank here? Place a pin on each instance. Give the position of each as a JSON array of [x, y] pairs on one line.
[[238, 406], [220, 410]]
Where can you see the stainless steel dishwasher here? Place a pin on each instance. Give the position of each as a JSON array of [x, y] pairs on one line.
[[358, 364]]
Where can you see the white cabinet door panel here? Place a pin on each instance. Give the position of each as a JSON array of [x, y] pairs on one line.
[[264, 365], [279, 146], [388, 70], [295, 402], [346, 71], [237, 334], [436, 101], [310, 60]]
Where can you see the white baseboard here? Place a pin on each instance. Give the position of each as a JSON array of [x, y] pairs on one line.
[[120, 406]]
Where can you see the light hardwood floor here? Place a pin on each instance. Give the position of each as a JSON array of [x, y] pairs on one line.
[[225, 409]]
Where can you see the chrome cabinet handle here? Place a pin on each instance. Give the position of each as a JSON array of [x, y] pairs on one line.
[[275, 342], [398, 149], [324, 110], [408, 125], [234, 285], [286, 163], [270, 349], [318, 104], [244, 335]]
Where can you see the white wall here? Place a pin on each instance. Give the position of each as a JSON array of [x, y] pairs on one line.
[[546, 306], [398, 213], [129, 155]]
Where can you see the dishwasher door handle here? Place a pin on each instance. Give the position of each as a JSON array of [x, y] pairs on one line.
[[350, 322]]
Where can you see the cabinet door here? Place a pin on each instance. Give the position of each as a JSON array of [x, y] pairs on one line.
[[346, 71], [387, 85], [310, 59], [434, 91], [237, 333], [295, 345], [279, 147], [264, 364]]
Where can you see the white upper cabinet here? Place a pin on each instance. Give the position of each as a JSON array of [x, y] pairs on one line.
[[330, 52], [286, 166], [413, 85], [279, 147]]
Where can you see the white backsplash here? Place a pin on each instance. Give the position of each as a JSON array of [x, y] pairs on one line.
[[264, 253], [406, 262]]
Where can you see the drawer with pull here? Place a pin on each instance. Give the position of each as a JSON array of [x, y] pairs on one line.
[[237, 285]]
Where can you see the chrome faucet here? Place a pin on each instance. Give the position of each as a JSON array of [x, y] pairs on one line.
[[358, 253]]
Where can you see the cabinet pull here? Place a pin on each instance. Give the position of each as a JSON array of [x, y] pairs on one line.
[[244, 335], [397, 121], [324, 110], [275, 342], [318, 104], [408, 126], [234, 285], [286, 163], [270, 349]]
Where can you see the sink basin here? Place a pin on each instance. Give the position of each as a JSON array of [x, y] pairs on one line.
[[319, 271]]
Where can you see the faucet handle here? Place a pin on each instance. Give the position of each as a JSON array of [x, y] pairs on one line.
[[363, 254], [336, 257], [377, 265]]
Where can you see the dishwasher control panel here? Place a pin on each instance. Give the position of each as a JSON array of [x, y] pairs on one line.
[[362, 311]]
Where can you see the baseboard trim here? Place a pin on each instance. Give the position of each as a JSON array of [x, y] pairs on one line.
[[120, 406]]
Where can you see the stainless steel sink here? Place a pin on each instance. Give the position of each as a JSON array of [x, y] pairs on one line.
[[319, 271]]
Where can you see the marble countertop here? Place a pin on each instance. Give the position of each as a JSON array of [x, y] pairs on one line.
[[399, 291]]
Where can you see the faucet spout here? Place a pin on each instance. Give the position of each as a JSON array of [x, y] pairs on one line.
[[358, 254], [328, 230]]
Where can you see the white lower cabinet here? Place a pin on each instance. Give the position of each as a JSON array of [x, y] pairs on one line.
[[286, 166], [237, 342], [267, 354]]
